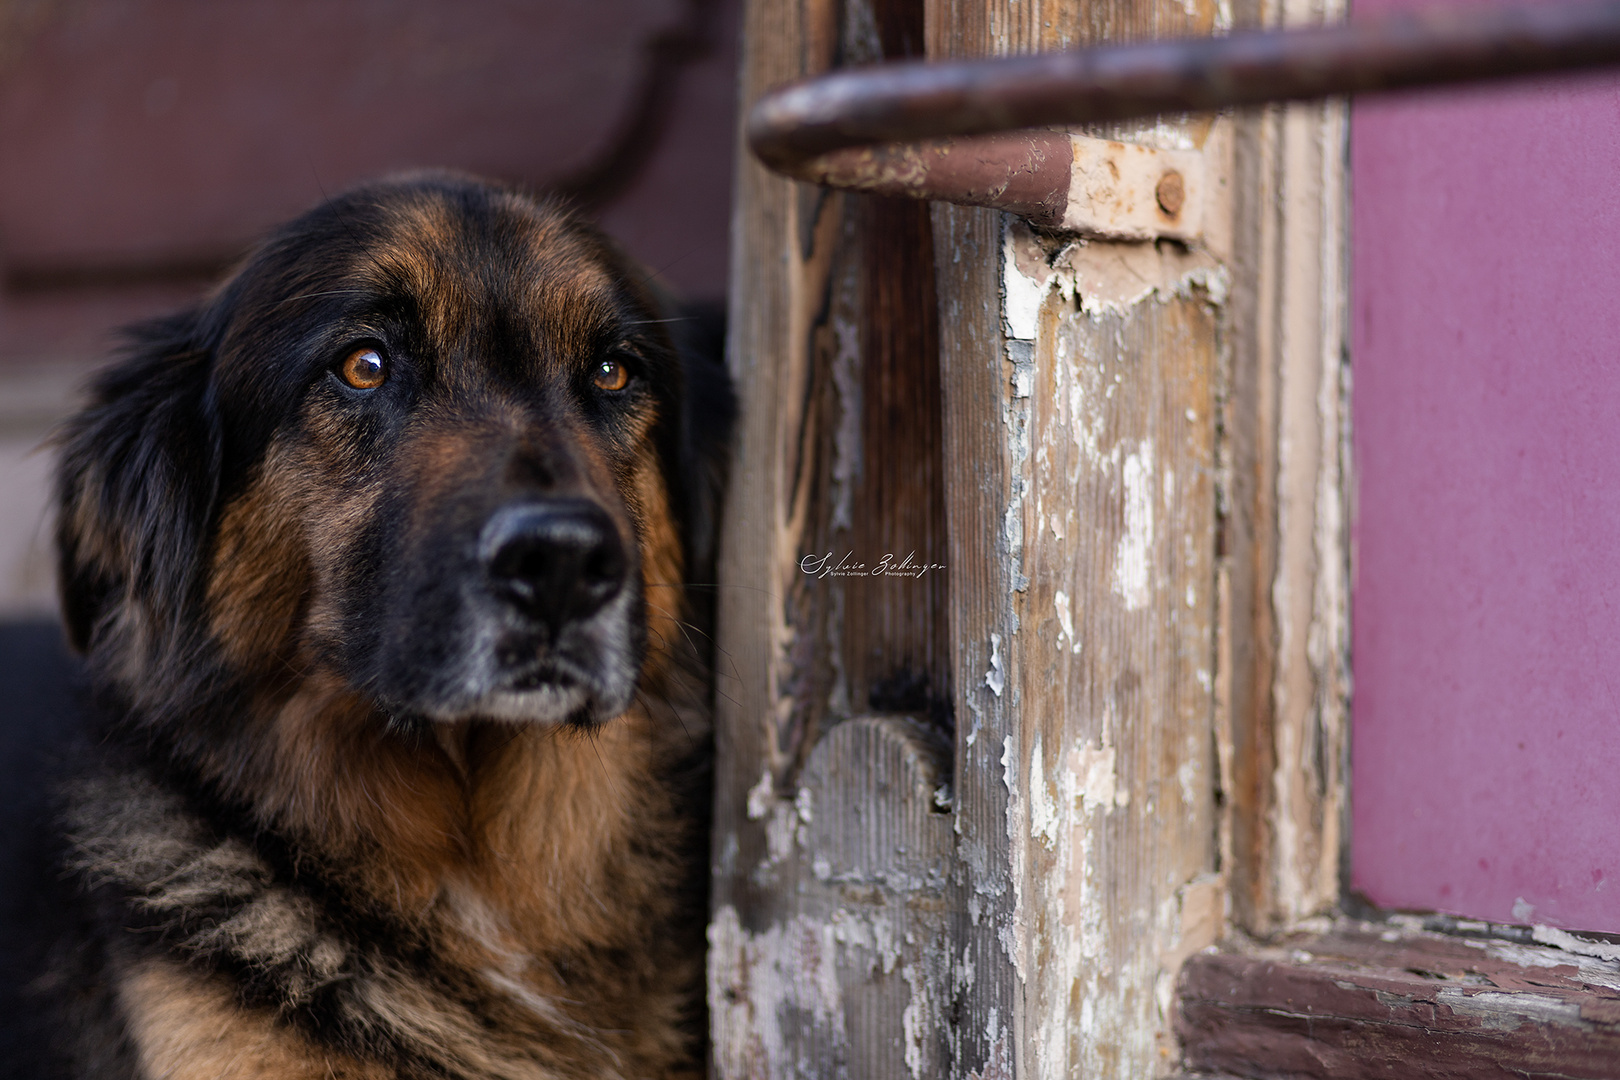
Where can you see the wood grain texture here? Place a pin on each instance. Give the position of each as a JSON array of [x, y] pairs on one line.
[[1371, 1002], [1285, 533], [1068, 469], [1115, 660], [989, 995], [832, 845], [1080, 436]]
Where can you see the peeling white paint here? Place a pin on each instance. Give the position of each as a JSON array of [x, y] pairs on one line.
[[1065, 615], [1112, 278], [1009, 766], [1187, 779], [1011, 933], [1523, 910], [1095, 783], [781, 833], [1012, 534], [871, 933], [1510, 1011], [1591, 958], [1023, 380], [1551, 935], [924, 1015], [760, 796], [996, 677], [1016, 417], [1134, 551], [1024, 283], [758, 980], [1043, 811]]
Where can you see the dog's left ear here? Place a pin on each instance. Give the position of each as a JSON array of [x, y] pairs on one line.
[[709, 411], [136, 485]]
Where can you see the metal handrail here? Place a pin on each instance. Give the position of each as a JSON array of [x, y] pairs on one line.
[[941, 130]]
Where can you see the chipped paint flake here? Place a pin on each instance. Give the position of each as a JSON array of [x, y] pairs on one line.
[[1549, 935], [924, 1015], [758, 979], [803, 804], [1025, 281], [1187, 779], [1009, 766], [760, 796], [1112, 278], [781, 833], [996, 677], [1510, 1011], [1095, 782], [1132, 555], [1043, 810], [1065, 615]]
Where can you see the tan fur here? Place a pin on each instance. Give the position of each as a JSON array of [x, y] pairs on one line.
[[260, 577], [661, 566], [188, 1027]]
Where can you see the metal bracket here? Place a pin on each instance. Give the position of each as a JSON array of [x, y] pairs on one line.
[[1123, 191], [946, 130]]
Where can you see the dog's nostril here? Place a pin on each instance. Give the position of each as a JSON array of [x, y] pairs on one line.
[[554, 559]]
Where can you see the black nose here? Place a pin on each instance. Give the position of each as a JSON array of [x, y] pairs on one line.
[[554, 559]]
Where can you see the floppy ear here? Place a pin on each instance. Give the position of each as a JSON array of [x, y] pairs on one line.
[[709, 410], [136, 484]]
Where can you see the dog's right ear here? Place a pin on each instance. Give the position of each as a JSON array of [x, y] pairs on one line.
[[136, 484]]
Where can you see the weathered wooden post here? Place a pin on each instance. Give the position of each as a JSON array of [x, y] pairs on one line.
[[971, 820], [830, 945]]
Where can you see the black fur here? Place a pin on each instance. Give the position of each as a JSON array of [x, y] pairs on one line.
[[173, 848]]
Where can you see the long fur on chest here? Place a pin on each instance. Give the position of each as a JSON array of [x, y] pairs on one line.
[[496, 903]]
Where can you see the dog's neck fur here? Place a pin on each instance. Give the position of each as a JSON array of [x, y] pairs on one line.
[[536, 871], [538, 823], [534, 890]]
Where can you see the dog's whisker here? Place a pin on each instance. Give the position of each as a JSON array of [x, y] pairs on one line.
[[316, 295]]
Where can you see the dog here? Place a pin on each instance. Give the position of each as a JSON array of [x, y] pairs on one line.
[[377, 562]]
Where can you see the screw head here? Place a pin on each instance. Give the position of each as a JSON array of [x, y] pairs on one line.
[[1171, 193]]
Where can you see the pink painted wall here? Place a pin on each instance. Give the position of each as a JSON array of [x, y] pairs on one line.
[[1486, 362]]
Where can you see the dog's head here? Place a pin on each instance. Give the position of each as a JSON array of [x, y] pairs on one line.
[[432, 439]]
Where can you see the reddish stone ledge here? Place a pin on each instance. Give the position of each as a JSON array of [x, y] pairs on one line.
[[1370, 1001]]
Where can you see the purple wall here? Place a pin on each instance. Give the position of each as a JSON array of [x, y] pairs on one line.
[[1486, 361]]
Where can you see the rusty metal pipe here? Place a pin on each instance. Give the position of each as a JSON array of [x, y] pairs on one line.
[[926, 129]]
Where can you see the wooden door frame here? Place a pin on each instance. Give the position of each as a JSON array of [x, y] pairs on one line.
[[823, 959]]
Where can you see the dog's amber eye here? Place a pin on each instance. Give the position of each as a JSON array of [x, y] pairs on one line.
[[611, 375], [363, 369]]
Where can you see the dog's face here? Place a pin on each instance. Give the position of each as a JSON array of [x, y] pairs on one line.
[[428, 440]]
